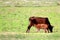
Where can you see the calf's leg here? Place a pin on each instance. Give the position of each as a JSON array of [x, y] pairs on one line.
[[46, 30], [37, 30]]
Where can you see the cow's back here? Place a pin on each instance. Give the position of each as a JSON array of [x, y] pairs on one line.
[[39, 20]]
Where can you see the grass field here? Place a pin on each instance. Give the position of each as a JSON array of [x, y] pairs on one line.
[[14, 22]]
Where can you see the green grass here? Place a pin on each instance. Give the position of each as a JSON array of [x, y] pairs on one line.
[[15, 19], [30, 36]]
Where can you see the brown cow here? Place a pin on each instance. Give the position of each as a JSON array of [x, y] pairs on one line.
[[40, 23]]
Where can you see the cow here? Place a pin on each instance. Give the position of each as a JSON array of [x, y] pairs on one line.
[[40, 23]]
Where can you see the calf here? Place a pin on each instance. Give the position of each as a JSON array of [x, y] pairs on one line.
[[42, 26]]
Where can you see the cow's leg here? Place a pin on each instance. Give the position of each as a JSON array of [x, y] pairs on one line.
[[28, 29], [47, 30]]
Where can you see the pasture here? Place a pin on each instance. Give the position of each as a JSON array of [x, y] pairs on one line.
[[14, 22]]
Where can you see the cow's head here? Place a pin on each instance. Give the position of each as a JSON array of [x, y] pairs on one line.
[[51, 28]]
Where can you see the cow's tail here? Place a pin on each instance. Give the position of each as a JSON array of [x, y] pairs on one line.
[[50, 27]]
